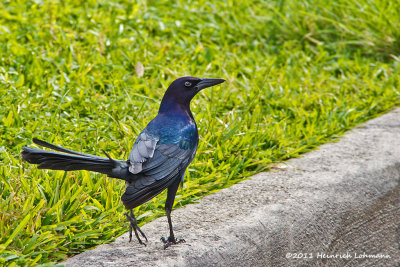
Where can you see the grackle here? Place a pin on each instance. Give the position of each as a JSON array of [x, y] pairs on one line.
[[157, 161]]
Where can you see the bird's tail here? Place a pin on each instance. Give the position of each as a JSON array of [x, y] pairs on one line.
[[73, 160]]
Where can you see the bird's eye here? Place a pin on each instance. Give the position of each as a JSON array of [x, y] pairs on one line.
[[188, 84]]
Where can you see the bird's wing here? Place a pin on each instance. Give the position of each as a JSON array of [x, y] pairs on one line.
[[142, 150], [166, 164], [167, 158]]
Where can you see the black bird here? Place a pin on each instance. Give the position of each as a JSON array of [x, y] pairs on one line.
[[158, 159]]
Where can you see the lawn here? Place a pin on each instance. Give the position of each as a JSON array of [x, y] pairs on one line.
[[89, 75]]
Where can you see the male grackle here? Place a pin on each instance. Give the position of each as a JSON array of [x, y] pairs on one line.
[[158, 159]]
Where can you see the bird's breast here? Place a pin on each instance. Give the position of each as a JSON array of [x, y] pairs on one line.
[[177, 130]]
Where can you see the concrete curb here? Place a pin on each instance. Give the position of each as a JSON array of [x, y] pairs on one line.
[[339, 205]]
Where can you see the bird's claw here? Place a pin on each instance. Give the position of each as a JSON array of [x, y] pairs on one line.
[[133, 226], [171, 241]]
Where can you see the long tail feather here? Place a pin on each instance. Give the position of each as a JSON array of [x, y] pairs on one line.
[[59, 148], [73, 161]]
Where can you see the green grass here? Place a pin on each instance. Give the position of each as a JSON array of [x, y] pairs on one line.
[[299, 73]]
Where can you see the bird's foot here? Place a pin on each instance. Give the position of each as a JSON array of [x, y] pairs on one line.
[[171, 241], [133, 226]]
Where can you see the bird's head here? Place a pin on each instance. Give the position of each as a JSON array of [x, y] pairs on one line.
[[182, 90]]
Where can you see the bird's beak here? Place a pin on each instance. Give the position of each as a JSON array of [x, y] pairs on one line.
[[204, 83]]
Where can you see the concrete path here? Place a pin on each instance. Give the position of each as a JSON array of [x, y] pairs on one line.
[[338, 205]]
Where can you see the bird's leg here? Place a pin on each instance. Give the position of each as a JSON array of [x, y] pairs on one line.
[[171, 239], [168, 208], [133, 226]]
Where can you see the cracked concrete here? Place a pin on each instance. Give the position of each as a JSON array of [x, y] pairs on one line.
[[338, 205]]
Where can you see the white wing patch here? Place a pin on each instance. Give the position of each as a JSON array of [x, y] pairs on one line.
[[142, 150]]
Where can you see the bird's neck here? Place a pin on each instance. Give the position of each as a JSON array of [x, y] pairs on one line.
[[171, 107]]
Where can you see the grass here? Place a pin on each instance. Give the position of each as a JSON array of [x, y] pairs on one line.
[[89, 76]]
